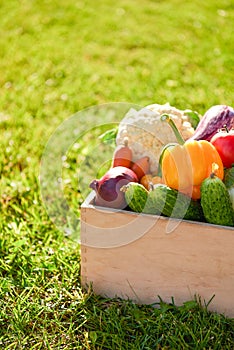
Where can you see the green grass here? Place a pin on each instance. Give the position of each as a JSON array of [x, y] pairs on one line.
[[58, 58]]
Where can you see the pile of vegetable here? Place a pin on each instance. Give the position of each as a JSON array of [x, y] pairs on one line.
[[146, 133], [173, 163]]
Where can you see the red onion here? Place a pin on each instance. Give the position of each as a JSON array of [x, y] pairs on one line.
[[214, 119], [107, 189]]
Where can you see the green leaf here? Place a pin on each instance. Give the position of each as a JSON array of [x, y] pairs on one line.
[[109, 136], [193, 116]]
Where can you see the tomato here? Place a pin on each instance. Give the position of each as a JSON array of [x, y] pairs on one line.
[[224, 143]]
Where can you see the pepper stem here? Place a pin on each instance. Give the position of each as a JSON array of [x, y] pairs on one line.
[[168, 119], [214, 170], [172, 144]]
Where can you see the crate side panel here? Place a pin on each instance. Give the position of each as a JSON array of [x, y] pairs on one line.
[[192, 259]]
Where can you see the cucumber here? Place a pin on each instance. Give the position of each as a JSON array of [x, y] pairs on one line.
[[216, 202], [161, 200], [136, 196], [156, 201], [229, 183], [229, 177], [172, 203]]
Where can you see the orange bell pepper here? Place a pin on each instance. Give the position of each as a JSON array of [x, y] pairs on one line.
[[184, 166], [194, 192]]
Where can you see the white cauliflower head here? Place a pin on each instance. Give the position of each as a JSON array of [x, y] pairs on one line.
[[147, 134]]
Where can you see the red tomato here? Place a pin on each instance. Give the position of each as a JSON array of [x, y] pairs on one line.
[[224, 143]]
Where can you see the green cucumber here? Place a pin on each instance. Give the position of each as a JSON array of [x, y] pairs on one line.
[[229, 177], [216, 202], [135, 195], [229, 183], [161, 200], [172, 203]]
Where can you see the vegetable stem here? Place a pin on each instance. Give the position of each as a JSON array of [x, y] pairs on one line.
[[159, 172], [214, 170], [167, 118], [226, 128]]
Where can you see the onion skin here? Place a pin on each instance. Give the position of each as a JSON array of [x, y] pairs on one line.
[[214, 119], [107, 188]]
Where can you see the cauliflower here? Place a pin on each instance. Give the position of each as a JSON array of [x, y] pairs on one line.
[[147, 134]]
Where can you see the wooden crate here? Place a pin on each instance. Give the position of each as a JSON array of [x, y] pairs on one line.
[[141, 257]]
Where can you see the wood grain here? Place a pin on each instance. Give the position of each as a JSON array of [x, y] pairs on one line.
[[142, 257]]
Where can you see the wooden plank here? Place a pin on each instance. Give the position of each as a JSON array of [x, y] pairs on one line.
[[142, 257]]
